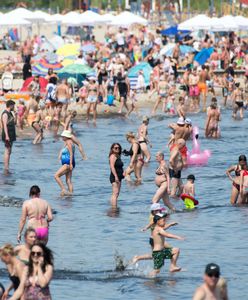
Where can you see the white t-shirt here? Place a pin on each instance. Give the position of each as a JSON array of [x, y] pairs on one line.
[[120, 39], [7, 81]]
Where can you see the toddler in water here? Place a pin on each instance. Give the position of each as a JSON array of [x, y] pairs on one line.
[[134, 99], [170, 108], [21, 108]]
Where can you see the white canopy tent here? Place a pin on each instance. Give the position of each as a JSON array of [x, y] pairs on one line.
[[217, 25], [126, 19], [200, 22], [242, 22], [22, 13], [57, 18], [39, 15], [90, 18], [72, 18], [107, 18], [229, 23], [5, 20]]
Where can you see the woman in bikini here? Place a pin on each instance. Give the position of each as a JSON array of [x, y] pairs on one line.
[[238, 101], [39, 214], [143, 138], [36, 277], [92, 98], [162, 181], [237, 179], [136, 162]]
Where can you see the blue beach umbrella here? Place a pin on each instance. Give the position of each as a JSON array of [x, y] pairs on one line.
[[145, 67], [203, 55]]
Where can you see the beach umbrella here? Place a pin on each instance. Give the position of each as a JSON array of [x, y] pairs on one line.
[[203, 55], [173, 30], [42, 81], [67, 62], [134, 72], [88, 48], [69, 49], [76, 71], [184, 49], [42, 67]]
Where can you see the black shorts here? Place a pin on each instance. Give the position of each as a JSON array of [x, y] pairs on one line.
[[123, 95], [239, 104], [174, 174]]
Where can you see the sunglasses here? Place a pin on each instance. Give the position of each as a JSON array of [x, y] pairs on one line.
[[116, 147], [38, 254], [213, 275]]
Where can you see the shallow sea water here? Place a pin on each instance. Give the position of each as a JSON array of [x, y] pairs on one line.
[[85, 239]]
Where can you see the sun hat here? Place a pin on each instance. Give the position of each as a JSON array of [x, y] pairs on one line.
[[188, 121], [181, 121], [67, 134], [156, 206]]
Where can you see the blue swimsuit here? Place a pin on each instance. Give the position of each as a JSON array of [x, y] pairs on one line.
[[65, 156]]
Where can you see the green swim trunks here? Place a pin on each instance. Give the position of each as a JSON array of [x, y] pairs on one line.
[[160, 256]]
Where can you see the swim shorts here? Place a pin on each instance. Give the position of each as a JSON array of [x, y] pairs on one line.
[[202, 87], [92, 99], [160, 256], [174, 174], [194, 91]]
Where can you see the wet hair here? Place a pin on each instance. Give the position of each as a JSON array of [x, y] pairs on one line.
[[34, 191], [47, 254], [7, 249], [191, 177], [29, 230], [242, 158], [130, 134], [112, 148], [214, 99]]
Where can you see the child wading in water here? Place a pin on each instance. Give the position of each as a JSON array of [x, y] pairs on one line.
[[189, 187], [162, 251]]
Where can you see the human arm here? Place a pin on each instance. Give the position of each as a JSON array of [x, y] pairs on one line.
[[44, 278], [170, 235], [241, 182], [229, 171], [6, 292], [22, 221], [112, 160], [69, 146], [49, 214], [5, 128], [80, 147], [170, 225], [135, 152], [207, 125], [172, 158], [148, 226]]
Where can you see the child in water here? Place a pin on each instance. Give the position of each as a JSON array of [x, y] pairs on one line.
[[189, 187], [155, 209]]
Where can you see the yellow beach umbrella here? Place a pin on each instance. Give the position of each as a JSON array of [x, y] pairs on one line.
[[69, 49], [67, 62]]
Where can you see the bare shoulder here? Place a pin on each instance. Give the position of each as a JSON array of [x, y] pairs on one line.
[[200, 293]]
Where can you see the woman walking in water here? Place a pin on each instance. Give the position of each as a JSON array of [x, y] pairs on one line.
[[236, 179], [136, 162], [116, 175], [162, 181], [92, 98], [37, 275], [68, 163], [39, 214], [143, 138]]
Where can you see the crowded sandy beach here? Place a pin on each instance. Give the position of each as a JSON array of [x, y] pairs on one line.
[[124, 165]]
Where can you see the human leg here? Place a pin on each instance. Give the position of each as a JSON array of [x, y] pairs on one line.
[[115, 193], [7, 153], [62, 171], [174, 258], [68, 176]]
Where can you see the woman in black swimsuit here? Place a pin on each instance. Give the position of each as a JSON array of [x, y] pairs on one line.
[[14, 266], [236, 180], [137, 161], [116, 175]]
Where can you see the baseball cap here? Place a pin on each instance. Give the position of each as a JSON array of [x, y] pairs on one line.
[[156, 206], [158, 217], [212, 269], [180, 121], [188, 121]]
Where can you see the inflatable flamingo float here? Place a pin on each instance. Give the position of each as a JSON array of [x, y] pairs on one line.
[[196, 156]]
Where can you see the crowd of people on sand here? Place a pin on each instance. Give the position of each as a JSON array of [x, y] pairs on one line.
[[30, 265]]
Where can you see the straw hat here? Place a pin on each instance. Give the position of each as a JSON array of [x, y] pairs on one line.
[[67, 134]]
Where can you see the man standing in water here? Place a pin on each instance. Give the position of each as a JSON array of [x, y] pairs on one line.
[[202, 85], [212, 123], [8, 131], [176, 166], [213, 287]]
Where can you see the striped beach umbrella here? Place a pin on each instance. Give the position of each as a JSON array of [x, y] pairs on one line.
[[42, 67]]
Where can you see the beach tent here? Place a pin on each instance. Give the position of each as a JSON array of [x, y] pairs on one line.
[[134, 72], [242, 22], [39, 16], [57, 18], [72, 18], [203, 55], [107, 18], [199, 22], [173, 30], [10, 21], [229, 23], [126, 19], [20, 12], [90, 18], [76, 71], [42, 81]]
